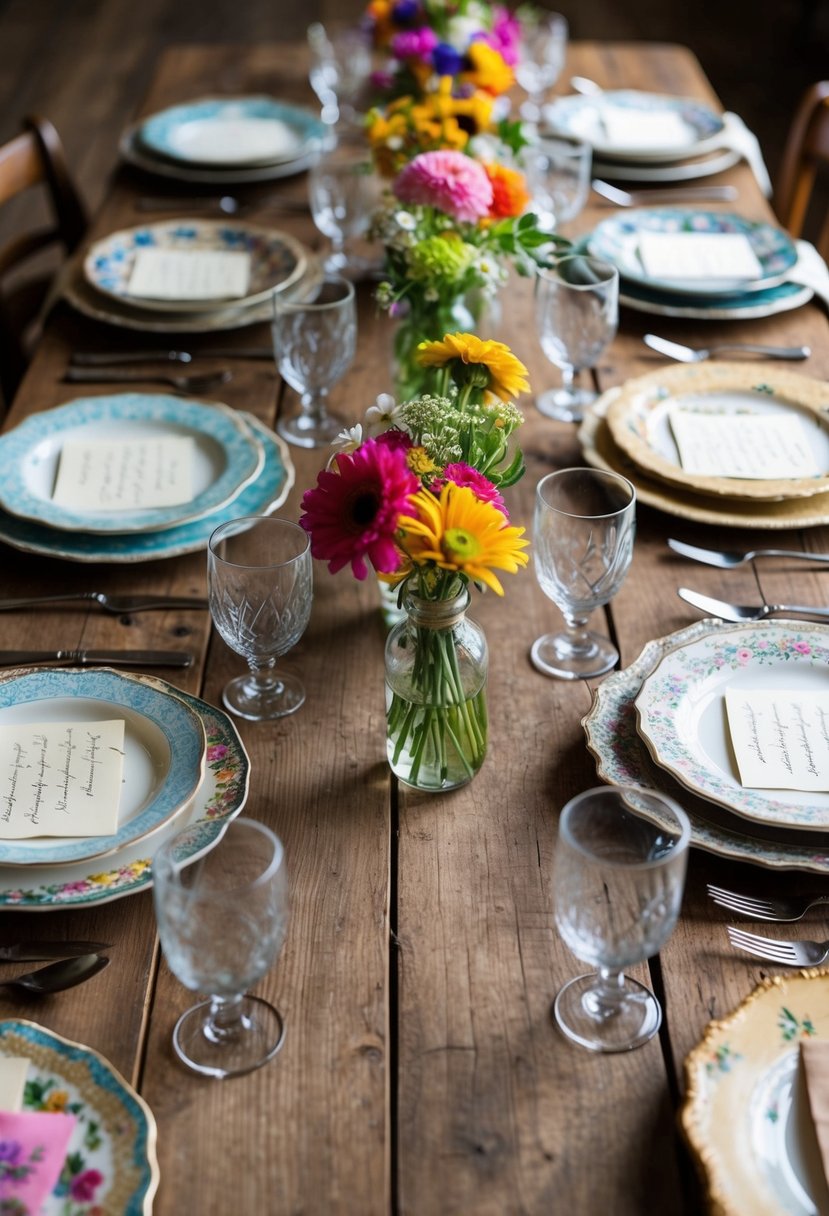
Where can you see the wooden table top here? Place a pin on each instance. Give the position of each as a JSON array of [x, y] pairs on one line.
[[421, 1072]]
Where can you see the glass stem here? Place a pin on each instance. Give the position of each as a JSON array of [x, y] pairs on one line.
[[263, 675], [608, 994], [313, 405], [568, 373], [225, 1020], [577, 634]]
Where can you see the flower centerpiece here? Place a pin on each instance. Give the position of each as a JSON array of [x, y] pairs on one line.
[[418, 497]]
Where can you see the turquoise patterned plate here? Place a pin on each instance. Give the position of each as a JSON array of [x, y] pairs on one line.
[[277, 261], [616, 239], [225, 131], [694, 127], [220, 797], [164, 753], [261, 497], [226, 457], [111, 1165]]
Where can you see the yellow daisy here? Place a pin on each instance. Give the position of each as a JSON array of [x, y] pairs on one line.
[[506, 374], [460, 532]]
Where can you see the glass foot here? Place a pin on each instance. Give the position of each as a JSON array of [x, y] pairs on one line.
[[587, 1014], [307, 432], [248, 699], [247, 1045], [565, 404], [558, 654]]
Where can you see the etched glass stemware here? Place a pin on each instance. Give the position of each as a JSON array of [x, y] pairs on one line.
[[221, 920], [314, 343], [340, 68], [343, 193], [618, 879], [541, 56], [259, 577], [584, 527], [558, 175]]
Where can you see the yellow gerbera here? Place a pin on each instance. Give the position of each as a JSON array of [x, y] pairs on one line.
[[489, 70], [506, 373], [460, 532]]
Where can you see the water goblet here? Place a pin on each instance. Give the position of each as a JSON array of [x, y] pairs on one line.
[[343, 193], [259, 578], [576, 314], [618, 879], [314, 343], [584, 526], [541, 55], [340, 68], [558, 175], [221, 920]]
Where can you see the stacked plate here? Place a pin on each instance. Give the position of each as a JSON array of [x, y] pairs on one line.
[[771, 289], [661, 723], [102, 285], [184, 768], [238, 467], [226, 140], [629, 431]]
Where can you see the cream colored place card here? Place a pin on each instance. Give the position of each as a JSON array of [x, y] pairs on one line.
[[13, 1072], [627, 128], [698, 255], [124, 475], [752, 446], [60, 778], [190, 274], [780, 739]]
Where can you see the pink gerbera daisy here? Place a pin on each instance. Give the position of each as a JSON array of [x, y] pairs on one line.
[[352, 514], [464, 475], [450, 181]]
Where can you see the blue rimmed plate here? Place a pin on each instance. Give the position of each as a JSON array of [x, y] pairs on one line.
[[277, 260], [657, 127], [227, 456], [262, 496], [232, 131], [164, 753], [220, 798], [111, 1163], [616, 239]]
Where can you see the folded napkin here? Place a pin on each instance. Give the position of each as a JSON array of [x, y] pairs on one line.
[[33, 1148], [814, 1057], [810, 270], [736, 135]]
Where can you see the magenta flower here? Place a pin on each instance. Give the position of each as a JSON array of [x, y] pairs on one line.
[[464, 475], [414, 44], [83, 1186], [352, 514], [743, 655], [393, 438], [450, 181], [505, 36], [802, 648], [217, 751]]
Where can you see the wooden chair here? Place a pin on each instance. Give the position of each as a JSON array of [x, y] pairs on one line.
[[807, 151], [35, 157]]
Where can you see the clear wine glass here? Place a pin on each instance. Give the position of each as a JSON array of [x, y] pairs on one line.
[[221, 920], [584, 527], [576, 314], [343, 193], [618, 879], [260, 587], [340, 68], [541, 55], [558, 176], [314, 343]]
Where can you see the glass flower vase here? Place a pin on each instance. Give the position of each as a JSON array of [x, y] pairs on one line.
[[472, 312], [436, 713]]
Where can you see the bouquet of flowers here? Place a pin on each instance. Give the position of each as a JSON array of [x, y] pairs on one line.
[[419, 498]]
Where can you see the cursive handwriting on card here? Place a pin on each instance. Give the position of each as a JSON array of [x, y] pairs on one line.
[[124, 475], [754, 446], [780, 739]]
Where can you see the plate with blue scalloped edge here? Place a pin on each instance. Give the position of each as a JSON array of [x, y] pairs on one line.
[[255, 131]]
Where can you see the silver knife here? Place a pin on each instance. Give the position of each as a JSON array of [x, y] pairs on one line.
[[36, 952], [88, 658], [110, 358]]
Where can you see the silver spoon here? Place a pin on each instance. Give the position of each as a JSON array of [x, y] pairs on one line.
[[199, 383], [688, 354], [637, 198], [57, 977]]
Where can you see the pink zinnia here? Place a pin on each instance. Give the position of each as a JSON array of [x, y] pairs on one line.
[[450, 181], [464, 475], [352, 514]]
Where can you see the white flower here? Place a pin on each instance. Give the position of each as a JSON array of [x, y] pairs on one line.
[[406, 221], [348, 440], [382, 415]]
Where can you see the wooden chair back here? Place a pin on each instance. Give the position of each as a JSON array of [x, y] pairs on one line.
[[33, 158], [806, 153]]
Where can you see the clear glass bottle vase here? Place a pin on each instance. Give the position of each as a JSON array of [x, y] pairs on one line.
[[436, 714]]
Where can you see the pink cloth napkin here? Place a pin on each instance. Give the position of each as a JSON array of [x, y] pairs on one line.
[[32, 1152]]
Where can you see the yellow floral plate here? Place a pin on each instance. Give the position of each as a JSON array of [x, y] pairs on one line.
[[746, 1115]]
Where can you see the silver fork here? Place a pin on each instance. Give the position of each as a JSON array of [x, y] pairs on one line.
[[726, 559], [110, 603], [201, 382], [789, 954], [780, 909]]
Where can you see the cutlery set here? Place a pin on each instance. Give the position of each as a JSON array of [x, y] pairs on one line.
[[779, 910], [76, 963], [728, 560]]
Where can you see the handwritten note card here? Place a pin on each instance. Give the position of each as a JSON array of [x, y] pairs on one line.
[[628, 128], [780, 739], [753, 446], [124, 475], [188, 274], [698, 255], [60, 778]]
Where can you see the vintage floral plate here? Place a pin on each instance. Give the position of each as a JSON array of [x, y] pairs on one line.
[[745, 1113], [111, 1164], [230, 132], [693, 127], [164, 753], [681, 712], [622, 759], [220, 797], [227, 456]]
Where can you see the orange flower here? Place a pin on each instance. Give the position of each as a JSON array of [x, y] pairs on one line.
[[510, 196]]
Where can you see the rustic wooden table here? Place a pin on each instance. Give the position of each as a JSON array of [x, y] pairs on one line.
[[421, 1072]]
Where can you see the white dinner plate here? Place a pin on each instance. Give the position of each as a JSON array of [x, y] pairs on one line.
[[656, 127], [672, 171], [226, 457], [135, 153], [220, 797], [682, 718], [262, 496], [746, 1114], [232, 132], [164, 749]]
